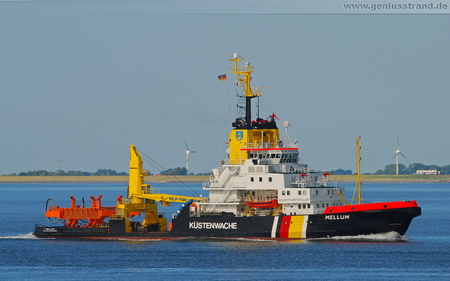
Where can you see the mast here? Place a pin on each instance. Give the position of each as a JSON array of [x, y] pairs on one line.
[[249, 134], [243, 75], [358, 168]]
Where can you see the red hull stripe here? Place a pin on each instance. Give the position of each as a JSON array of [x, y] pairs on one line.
[[284, 227], [267, 149], [371, 207]]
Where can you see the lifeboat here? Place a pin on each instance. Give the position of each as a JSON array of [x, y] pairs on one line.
[[262, 204]]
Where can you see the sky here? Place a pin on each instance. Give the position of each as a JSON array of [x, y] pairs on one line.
[[81, 81]]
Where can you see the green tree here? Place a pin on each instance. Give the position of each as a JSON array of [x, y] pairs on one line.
[[341, 172], [445, 169], [391, 169], [175, 171], [108, 172], [412, 168]]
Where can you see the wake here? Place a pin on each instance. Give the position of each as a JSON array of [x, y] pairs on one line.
[[20, 236], [380, 237]]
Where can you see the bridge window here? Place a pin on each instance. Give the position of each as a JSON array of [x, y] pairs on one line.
[[270, 179], [304, 192], [288, 192], [252, 179], [260, 179]]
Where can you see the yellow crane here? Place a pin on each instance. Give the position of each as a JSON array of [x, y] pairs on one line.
[[142, 198]]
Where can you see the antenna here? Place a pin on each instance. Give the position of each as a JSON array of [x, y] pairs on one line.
[[187, 156], [223, 52], [397, 153]]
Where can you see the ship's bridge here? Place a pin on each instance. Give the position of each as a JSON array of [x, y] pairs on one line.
[[267, 153]]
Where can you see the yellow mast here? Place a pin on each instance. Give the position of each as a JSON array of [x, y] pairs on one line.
[[358, 170], [245, 79], [245, 135]]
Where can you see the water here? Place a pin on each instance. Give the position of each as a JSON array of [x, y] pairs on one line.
[[423, 254]]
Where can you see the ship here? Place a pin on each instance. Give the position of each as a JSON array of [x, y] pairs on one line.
[[260, 191]]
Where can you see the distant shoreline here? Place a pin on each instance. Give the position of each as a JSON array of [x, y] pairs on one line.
[[201, 179], [99, 179]]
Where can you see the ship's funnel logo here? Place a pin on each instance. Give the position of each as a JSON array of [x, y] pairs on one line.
[[239, 135]]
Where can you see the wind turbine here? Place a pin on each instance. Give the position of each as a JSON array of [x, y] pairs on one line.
[[59, 164], [397, 153], [187, 157]]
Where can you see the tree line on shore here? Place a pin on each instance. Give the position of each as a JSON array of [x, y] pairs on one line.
[[412, 169], [99, 172], [391, 169], [181, 171]]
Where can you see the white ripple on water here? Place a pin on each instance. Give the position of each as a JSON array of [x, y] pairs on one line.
[[20, 236], [380, 237]]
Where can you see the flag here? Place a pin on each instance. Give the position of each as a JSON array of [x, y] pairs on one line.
[[223, 77]]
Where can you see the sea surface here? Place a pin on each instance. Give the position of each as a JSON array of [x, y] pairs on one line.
[[422, 254]]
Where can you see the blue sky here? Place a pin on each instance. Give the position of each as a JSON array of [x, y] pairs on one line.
[[81, 81]]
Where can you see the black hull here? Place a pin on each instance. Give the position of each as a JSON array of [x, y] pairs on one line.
[[265, 227]]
